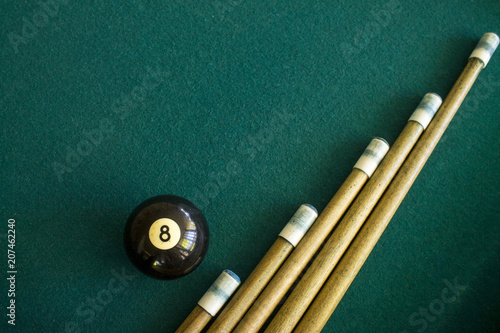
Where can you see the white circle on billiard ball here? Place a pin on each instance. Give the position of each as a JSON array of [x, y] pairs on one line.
[[164, 233]]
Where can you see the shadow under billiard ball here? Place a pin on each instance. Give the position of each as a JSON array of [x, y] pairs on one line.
[[166, 237]]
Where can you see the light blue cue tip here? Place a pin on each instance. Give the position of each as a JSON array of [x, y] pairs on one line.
[[298, 225], [219, 292], [486, 47], [233, 275], [426, 110], [312, 207], [372, 156]]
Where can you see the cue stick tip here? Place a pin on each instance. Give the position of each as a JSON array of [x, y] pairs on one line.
[[486, 47], [233, 275], [219, 292], [298, 225], [381, 139], [312, 207], [372, 156], [426, 109]]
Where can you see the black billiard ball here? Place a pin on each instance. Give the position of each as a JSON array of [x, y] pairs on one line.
[[166, 237]]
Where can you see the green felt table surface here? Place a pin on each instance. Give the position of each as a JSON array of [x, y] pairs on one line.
[[248, 109]]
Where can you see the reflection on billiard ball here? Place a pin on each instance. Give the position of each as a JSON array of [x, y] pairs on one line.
[[166, 237]]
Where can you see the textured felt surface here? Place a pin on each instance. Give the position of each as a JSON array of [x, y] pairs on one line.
[[247, 109]]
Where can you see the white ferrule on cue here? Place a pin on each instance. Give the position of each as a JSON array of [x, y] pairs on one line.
[[486, 47], [426, 110], [372, 156], [298, 225], [219, 292]]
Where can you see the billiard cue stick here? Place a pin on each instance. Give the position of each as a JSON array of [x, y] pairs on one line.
[[310, 284], [289, 237], [337, 284], [211, 302], [316, 235]]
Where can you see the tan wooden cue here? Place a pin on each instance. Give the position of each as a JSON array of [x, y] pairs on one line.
[[308, 246], [264, 271], [294, 307], [196, 321], [210, 303], [252, 286], [340, 280]]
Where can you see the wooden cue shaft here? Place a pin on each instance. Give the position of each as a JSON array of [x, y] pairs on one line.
[[310, 284], [253, 285], [195, 322], [340, 280], [264, 271], [315, 236], [305, 250]]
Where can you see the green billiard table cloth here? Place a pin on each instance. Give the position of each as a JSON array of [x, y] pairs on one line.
[[248, 109]]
